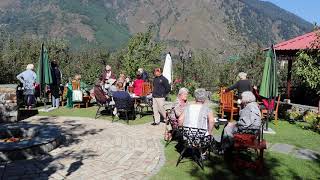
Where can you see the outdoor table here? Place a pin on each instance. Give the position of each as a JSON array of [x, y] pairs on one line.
[[136, 101]]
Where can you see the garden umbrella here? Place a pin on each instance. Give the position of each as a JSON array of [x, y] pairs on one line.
[[269, 84], [167, 69], [44, 76]]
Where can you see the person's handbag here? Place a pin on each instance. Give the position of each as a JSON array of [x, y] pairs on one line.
[[77, 96]]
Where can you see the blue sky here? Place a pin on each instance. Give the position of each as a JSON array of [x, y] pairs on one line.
[[306, 9]]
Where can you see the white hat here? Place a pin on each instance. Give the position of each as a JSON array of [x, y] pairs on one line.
[[108, 67], [111, 81]]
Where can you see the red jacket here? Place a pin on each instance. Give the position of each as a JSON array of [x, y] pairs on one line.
[[138, 84]]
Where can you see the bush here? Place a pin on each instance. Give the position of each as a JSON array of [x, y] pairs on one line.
[[215, 96], [191, 85], [294, 114], [313, 119]]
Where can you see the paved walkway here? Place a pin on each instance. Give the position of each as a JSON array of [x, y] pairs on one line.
[[95, 149], [295, 151]]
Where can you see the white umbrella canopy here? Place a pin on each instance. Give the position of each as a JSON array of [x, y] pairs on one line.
[[167, 68]]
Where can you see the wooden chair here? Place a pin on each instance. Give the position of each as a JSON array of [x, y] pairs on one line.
[[64, 95], [146, 88], [264, 112], [227, 103], [247, 142], [85, 99], [144, 102]]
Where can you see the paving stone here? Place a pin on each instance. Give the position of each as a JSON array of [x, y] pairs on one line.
[[95, 149], [307, 154], [282, 148]]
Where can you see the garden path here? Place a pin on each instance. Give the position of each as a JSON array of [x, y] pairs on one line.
[[94, 149]]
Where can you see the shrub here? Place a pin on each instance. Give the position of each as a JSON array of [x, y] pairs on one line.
[[294, 114], [313, 119], [215, 96], [191, 85]]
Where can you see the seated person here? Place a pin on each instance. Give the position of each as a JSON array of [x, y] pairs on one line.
[[181, 101], [122, 98], [110, 86], [198, 115], [100, 95], [83, 86], [107, 74], [122, 78], [249, 120], [176, 111], [138, 85]]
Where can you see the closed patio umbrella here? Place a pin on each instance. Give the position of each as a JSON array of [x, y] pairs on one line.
[[44, 76], [167, 69], [269, 83]]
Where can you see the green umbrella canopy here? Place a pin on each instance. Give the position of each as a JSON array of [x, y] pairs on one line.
[[44, 76], [269, 84]]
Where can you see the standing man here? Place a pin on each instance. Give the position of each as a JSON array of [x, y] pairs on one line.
[[28, 78], [161, 88], [56, 83]]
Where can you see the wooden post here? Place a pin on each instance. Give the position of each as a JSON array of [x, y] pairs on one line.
[[289, 77]]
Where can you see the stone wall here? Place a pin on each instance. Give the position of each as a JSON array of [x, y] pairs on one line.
[[8, 103]]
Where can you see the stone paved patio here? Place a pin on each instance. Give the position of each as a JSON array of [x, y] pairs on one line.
[[94, 149]]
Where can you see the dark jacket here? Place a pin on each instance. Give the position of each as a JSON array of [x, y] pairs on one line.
[[100, 94], [56, 76], [145, 76], [161, 87], [122, 100], [104, 75], [241, 86]]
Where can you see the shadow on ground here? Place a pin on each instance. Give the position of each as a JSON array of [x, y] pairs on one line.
[[47, 165]]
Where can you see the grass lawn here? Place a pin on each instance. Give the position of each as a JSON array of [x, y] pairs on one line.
[[277, 166], [294, 134], [90, 113]]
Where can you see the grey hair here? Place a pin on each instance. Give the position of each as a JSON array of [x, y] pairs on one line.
[[242, 75], [30, 67], [247, 97], [183, 90], [200, 95]]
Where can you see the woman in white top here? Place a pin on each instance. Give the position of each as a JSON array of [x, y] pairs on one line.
[[198, 115]]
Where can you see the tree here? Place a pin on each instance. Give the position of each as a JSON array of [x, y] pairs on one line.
[[307, 65], [141, 51]]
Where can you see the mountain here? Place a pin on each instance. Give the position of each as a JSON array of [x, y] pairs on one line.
[[223, 25]]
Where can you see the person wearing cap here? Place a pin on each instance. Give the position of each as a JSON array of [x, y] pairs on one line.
[[144, 74], [107, 74], [242, 85], [161, 88]]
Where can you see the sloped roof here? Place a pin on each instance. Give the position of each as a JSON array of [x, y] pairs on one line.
[[297, 43]]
